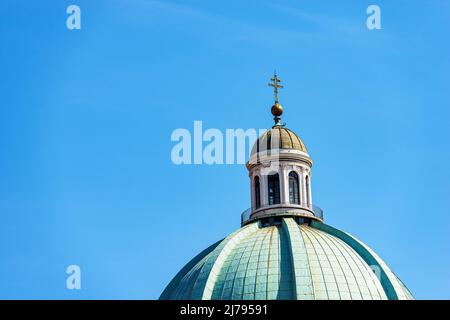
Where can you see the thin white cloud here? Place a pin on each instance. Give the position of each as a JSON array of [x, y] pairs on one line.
[[269, 34]]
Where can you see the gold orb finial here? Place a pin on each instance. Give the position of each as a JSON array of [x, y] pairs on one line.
[[277, 109]]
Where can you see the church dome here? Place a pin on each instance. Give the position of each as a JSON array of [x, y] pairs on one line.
[[287, 259], [278, 137], [284, 250]]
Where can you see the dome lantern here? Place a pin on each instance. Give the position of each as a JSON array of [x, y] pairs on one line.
[[280, 173]]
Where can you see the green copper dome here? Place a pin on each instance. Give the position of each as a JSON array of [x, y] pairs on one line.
[[283, 250], [287, 259]]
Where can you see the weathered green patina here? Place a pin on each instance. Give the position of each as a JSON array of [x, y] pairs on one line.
[[287, 260]]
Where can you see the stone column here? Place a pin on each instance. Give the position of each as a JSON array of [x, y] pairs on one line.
[[309, 189], [284, 185], [264, 194], [252, 191], [302, 185]]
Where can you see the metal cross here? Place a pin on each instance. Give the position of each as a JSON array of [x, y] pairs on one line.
[[275, 85]]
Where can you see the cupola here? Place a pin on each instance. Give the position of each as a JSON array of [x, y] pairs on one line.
[[280, 172]]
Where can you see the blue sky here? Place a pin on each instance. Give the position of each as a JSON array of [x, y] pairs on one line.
[[86, 118]]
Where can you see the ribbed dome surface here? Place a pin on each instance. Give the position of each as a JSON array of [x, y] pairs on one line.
[[286, 261], [278, 137]]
